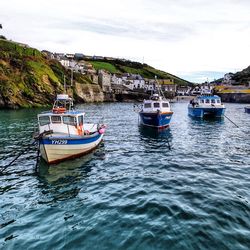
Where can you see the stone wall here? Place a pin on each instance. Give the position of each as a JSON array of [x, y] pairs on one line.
[[235, 97], [88, 93]]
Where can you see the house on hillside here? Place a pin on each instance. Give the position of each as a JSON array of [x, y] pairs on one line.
[[48, 54], [136, 81], [227, 79], [78, 56], [150, 85], [97, 57], [70, 56], [65, 62], [116, 79], [59, 56], [183, 90], [196, 90], [104, 80], [168, 85]]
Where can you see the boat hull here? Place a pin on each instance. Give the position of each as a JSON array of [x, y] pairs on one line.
[[202, 112], [155, 119], [56, 149], [247, 110]]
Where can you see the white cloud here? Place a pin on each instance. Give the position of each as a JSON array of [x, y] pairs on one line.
[[179, 36]]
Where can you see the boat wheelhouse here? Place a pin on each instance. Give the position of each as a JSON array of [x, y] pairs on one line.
[[63, 134], [155, 112], [206, 105]]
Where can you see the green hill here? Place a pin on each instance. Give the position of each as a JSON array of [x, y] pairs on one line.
[[27, 78], [124, 66]]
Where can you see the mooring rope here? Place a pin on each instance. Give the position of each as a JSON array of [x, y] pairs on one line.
[[36, 140], [231, 121], [3, 168]]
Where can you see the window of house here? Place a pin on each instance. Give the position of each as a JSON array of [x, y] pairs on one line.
[[44, 120], [69, 120], [56, 119], [156, 105], [147, 105]]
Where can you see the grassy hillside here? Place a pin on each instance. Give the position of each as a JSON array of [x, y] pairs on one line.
[[120, 66], [28, 79], [242, 77]]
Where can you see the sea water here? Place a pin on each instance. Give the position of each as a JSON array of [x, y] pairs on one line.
[[187, 187]]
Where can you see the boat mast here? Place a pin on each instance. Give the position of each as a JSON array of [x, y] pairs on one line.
[[159, 89]]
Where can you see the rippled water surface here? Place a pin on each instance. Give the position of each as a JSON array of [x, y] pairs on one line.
[[184, 188]]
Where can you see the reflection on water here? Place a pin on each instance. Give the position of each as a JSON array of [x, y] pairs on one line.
[[156, 138], [61, 181]]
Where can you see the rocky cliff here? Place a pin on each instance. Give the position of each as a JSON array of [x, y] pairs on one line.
[[28, 79]]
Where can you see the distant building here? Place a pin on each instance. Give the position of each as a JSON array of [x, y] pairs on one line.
[[104, 80], [196, 90], [78, 56], [183, 90], [150, 85], [65, 62], [136, 81], [227, 79], [168, 85], [70, 56], [59, 56], [48, 54], [97, 57], [116, 79]]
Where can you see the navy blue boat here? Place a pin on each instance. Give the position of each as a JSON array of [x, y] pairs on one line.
[[247, 109], [206, 105], [155, 112]]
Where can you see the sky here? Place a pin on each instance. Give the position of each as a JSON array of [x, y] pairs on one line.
[[197, 40]]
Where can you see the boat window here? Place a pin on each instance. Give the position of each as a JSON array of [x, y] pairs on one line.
[[44, 120], [156, 105], [147, 105], [212, 101], [202, 101], [165, 105], [207, 101], [80, 120], [70, 120], [218, 101], [56, 119]]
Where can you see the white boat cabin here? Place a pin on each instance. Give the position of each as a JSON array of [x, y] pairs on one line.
[[156, 104], [63, 119]]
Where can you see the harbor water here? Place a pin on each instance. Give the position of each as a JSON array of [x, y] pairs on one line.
[[187, 187]]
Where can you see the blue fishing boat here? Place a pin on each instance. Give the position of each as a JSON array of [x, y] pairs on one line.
[[63, 134], [155, 112], [206, 105], [247, 109]]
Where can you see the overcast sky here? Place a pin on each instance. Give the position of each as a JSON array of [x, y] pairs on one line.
[[193, 39]]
